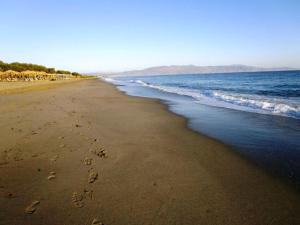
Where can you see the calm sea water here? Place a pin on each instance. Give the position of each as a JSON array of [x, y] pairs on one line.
[[256, 113]]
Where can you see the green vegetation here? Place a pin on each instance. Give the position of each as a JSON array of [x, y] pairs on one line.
[[20, 67], [86, 76], [30, 72], [63, 72]]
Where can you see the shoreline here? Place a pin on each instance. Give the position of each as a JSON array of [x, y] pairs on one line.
[[168, 109], [155, 169], [264, 150]]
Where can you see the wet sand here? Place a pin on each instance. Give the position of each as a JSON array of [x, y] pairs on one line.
[[85, 153]]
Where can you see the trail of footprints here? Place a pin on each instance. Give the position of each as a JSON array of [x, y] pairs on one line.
[[78, 199]]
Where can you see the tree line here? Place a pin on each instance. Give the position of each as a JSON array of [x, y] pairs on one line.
[[20, 67]]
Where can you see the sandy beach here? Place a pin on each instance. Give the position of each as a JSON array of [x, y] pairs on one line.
[[84, 153], [21, 87]]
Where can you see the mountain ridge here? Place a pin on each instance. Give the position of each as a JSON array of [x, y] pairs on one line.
[[193, 69]]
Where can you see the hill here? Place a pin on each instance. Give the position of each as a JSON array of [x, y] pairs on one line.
[[192, 69]]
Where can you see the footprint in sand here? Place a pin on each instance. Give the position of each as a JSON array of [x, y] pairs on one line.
[[32, 207], [62, 145], [52, 175], [34, 132], [77, 200], [97, 222], [89, 194], [87, 161], [17, 157], [93, 176], [54, 158], [92, 140], [99, 152]]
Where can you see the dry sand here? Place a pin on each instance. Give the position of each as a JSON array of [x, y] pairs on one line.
[[18, 87], [87, 154]]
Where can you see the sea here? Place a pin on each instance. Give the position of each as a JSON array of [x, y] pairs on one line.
[[256, 113]]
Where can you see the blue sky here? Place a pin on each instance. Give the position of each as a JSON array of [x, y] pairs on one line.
[[113, 35]]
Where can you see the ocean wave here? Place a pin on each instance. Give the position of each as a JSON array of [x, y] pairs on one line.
[[252, 103], [108, 79], [272, 106]]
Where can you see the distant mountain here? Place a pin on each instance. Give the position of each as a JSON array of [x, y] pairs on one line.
[[191, 69]]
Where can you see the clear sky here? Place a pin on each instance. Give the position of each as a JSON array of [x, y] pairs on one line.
[[113, 35]]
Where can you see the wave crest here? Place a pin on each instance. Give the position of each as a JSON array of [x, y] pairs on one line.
[[252, 103]]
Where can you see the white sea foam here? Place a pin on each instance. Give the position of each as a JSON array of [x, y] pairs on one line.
[[108, 79], [267, 105], [252, 103]]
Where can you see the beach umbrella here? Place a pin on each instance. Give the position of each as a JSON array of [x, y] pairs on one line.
[[11, 73]]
